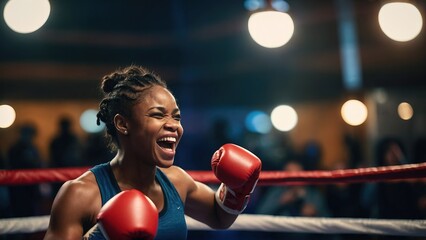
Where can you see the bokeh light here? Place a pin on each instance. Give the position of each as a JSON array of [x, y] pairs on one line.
[[354, 112], [380, 96], [405, 111], [400, 21], [280, 5], [284, 118], [253, 5], [7, 116], [258, 122], [271, 29], [88, 121], [26, 16]]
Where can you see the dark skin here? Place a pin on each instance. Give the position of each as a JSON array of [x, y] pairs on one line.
[[148, 139]]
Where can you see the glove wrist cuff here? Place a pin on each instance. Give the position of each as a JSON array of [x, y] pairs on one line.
[[229, 201]]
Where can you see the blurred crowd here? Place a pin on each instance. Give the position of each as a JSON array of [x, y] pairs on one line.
[[384, 200], [66, 149]]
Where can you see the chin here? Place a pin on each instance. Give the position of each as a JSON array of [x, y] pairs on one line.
[[165, 163]]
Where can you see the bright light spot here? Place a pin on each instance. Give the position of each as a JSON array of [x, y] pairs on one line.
[[7, 116], [271, 29], [88, 122], [258, 122], [405, 111], [284, 118], [400, 21], [26, 16], [354, 112]]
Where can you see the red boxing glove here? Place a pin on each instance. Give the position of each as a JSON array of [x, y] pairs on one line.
[[128, 215], [238, 170]]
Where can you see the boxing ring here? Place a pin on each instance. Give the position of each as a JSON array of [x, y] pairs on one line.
[[255, 222]]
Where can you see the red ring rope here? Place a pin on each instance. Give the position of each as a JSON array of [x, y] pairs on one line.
[[359, 175], [35, 176], [372, 174]]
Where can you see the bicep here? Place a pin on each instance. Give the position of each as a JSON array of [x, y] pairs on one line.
[[199, 199], [62, 227], [67, 214], [200, 203]]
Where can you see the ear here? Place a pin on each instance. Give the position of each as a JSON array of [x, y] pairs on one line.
[[120, 124]]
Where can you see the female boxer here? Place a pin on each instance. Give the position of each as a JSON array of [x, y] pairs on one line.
[[143, 123]]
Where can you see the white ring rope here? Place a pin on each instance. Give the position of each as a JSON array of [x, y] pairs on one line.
[[23, 225], [267, 223]]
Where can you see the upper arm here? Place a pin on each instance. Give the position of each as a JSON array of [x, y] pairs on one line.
[[71, 208], [200, 203]]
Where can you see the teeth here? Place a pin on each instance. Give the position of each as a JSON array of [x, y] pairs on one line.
[[167, 139]]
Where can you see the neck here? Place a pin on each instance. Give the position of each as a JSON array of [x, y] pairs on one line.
[[133, 173]]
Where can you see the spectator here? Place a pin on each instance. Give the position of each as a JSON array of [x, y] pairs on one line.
[[4, 193], [298, 200], [24, 155], [391, 200], [65, 149], [97, 151]]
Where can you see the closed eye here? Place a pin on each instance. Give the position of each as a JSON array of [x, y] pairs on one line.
[[157, 115], [177, 117]]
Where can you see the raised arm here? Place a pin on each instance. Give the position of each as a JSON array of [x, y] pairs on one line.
[[239, 170]]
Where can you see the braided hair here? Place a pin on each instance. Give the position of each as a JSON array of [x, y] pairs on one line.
[[122, 89]]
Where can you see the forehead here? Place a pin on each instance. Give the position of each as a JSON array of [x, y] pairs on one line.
[[157, 96]]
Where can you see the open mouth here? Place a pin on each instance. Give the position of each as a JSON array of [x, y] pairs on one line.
[[167, 143]]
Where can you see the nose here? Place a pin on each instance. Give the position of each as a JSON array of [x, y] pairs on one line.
[[172, 125]]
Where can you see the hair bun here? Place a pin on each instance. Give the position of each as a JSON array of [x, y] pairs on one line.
[[110, 81]]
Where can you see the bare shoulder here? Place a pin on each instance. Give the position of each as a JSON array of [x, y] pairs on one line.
[[182, 181], [83, 187], [77, 202], [177, 175]]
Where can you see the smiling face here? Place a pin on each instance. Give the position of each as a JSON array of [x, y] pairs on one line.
[[154, 127]]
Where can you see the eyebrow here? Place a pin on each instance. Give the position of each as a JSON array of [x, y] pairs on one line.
[[163, 109]]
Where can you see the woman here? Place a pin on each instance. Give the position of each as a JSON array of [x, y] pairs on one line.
[[143, 122]]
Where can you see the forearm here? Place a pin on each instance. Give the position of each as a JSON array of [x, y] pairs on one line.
[[66, 235], [202, 206], [224, 219]]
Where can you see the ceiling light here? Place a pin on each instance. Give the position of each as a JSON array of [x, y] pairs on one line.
[[400, 21], [271, 28]]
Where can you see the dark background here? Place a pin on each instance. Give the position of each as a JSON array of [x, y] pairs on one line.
[[204, 51]]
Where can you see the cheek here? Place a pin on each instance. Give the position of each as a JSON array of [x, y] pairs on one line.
[[145, 132], [181, 130]]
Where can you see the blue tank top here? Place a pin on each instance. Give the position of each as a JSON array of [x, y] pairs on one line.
[[171, 219]]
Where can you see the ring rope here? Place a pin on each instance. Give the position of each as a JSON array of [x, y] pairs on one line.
[[267, 223], [24, 225], [371, 174], [251, 222], [36, 176]]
